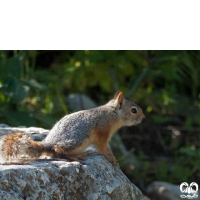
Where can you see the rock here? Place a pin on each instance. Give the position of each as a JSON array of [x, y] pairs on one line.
[[58, 179], [33, 131], [78, 102], [165, 191]]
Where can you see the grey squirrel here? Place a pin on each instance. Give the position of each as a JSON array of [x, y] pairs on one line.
[[72, 134]]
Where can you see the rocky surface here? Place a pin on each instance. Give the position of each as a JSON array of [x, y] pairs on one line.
[[36, 133], [165, 191], [95, 178]]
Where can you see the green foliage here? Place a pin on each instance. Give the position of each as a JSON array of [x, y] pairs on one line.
[[15, 91], [174, 170]]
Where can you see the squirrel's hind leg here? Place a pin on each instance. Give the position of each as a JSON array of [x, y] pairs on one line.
[[60, 152], [72, 155]]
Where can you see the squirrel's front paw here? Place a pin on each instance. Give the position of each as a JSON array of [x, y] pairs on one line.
[[112, 160]]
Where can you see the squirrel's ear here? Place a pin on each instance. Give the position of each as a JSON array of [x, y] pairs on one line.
[[119, 97], [116, 94]]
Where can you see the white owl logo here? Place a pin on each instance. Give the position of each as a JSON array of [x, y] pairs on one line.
[[189, 189]]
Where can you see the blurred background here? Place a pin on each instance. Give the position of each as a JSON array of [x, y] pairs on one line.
[[34, 86]]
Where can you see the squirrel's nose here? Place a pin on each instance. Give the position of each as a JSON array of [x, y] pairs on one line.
[[143, 116]]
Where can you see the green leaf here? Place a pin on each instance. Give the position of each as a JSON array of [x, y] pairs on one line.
[[10, 86], [20, 94], [189, 152], [48, 120], [35, 85], [12, 67], [20, 118]]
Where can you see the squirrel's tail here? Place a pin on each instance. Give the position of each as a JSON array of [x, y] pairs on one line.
[[17, 145]]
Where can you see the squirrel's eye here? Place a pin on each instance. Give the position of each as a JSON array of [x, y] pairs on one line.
[[134, 110]]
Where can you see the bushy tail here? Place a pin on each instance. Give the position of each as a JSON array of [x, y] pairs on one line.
[[20, 146]]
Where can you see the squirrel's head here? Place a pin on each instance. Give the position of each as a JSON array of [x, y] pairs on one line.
[[128, 111]]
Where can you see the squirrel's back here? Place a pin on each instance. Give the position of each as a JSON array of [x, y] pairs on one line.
[[78, 126]]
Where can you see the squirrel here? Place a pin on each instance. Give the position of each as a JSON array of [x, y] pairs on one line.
[[72, 134]]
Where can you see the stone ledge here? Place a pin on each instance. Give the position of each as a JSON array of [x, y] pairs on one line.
[[57, 179]]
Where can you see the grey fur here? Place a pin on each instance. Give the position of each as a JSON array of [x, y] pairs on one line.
[[73, 129]]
